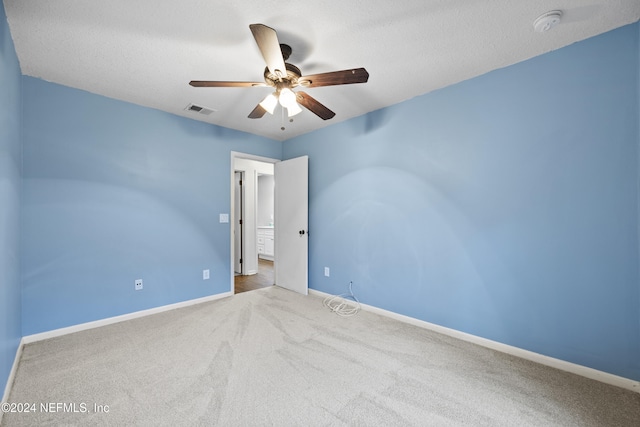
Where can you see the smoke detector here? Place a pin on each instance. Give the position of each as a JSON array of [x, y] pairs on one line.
[[547, 21]]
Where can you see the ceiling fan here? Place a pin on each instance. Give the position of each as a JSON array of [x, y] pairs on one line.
[[283, 77]]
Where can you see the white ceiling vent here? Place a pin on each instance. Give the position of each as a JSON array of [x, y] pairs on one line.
[[199, 109]]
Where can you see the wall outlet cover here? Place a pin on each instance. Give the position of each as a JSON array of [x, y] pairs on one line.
[[138, 284]]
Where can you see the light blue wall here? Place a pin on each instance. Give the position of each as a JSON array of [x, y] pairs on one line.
[[505, 206], [10, 317], [114, 192]]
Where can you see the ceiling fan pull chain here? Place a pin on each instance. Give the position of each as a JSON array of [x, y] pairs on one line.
[[282, 118]]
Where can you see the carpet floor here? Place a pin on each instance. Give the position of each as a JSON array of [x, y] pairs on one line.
[[273, 357]]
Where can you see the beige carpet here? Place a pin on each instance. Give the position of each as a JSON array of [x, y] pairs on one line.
[[273, 357]]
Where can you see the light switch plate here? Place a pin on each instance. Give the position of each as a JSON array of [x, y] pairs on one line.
[[224, 218]]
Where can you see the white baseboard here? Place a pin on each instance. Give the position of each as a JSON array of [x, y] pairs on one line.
[[563, 365], [111, 320], [12, 375]]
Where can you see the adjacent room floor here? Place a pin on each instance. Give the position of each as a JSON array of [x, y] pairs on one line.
[[265, 277]]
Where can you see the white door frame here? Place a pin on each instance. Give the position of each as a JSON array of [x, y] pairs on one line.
[[238, 265], [238, 155]]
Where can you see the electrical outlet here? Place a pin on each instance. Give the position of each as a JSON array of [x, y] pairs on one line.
[[205, 274], [326, 271], [138, 284]]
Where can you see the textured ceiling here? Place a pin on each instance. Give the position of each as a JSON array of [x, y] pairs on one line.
[[146, 51]]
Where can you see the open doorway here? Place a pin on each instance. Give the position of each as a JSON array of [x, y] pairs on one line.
[[253, 223], [291, 219]]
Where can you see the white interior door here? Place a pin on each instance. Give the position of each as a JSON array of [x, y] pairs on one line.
[[292, 224]]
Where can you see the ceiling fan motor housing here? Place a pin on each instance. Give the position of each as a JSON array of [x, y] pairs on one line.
[[286, 51], [293, 74]]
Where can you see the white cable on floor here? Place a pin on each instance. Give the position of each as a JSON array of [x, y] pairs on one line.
[[340, 305]]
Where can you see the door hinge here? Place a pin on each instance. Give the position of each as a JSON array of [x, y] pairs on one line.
[[240, 260], [240, 222], [240, 182]]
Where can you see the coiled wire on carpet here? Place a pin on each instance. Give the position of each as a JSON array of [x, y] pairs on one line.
[[340, 305]]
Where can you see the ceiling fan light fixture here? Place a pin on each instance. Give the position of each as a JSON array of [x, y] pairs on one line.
[[287, 98], [294, 109], [269, 103]]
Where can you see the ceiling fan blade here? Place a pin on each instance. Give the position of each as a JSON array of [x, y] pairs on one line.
[[314, 106], [344, 77], [205, 83], [257, 112], [267, 41]]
